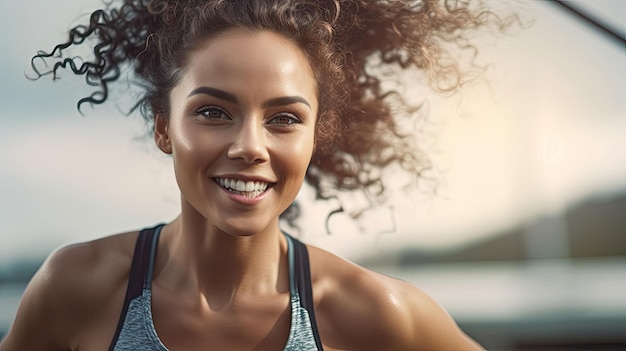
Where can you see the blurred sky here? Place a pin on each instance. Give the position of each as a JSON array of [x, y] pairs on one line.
[[546, 132]]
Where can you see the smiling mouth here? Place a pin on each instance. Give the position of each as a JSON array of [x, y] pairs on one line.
[[245, 188]]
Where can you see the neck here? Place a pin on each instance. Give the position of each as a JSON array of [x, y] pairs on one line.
[[199, 258]]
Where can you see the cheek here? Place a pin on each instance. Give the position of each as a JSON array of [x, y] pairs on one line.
[[183, 139], [192, 148], [290, 156], [301, 153]]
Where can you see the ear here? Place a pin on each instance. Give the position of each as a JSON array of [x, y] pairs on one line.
[[161, 133]]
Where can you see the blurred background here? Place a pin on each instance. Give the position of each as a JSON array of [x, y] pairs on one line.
[[523, 241]]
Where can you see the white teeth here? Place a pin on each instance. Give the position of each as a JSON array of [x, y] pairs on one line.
[[242, 186]]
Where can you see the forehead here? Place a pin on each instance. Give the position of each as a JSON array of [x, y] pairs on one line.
[[241, 59]]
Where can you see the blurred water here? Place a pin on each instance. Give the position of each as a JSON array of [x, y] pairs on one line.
[[10, 295], [550, 304]]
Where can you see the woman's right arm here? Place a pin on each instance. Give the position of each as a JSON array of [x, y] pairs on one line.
[[48, 316]]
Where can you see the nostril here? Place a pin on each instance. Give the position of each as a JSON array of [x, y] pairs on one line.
[[252, 149]]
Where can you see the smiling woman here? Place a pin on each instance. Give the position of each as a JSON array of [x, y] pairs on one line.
[[241, 120], [251, 98]]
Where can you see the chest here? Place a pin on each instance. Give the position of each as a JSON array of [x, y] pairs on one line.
[[195, 322], [184, 323]]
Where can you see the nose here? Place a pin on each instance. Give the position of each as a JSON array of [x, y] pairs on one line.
[[249, 143]]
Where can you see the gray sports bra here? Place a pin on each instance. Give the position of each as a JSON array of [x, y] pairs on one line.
[[135, 330]]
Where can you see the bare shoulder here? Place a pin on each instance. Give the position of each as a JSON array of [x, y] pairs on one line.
[[87, 271], [359, 309], [69, 291]]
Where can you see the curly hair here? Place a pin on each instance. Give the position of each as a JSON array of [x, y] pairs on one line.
[[350, 44]]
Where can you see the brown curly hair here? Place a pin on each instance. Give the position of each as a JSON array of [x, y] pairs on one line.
[[350, 44]]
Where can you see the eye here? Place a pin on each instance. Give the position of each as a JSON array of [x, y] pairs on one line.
[[284, 119], [213, 113]]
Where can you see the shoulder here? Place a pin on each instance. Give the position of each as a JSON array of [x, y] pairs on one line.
[[359, 309], [69, 291], [84, 272]]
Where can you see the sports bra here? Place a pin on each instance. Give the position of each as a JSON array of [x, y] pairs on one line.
[[135, 329]]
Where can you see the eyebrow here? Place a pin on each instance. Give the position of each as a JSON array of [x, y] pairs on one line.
[[220, 94], [285, 100]]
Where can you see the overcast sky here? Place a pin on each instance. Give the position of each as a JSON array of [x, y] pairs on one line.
[[547, 132]]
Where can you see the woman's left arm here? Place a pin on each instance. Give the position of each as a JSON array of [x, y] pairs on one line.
[[429, 326], [364, 310]]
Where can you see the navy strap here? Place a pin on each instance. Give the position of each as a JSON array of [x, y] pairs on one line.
[[300, 276], [153, 242], [140, 272]]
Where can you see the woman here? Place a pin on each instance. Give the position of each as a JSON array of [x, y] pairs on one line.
[[251, 98]]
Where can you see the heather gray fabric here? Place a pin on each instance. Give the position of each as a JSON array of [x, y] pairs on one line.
[[137, 332]]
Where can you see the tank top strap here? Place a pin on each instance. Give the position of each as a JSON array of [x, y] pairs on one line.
[[300, 280], [140, 276], [152, 245]]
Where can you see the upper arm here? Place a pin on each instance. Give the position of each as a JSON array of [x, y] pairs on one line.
[[49, 314], [430, 326], [37, 323], [369, 311]]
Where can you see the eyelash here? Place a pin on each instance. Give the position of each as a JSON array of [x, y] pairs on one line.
[[293, 119], [206, 110]]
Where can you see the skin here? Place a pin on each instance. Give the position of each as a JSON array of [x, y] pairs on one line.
[[221, 265]]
